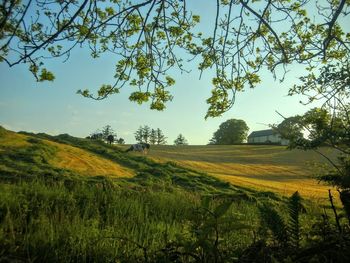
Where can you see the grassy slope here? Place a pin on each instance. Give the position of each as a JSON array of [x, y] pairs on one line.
[[59, 156], [27, 154], [62, 215], [268, 168], [271, 168], [86, 163]]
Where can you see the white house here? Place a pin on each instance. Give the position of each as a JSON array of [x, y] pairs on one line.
[[267, 136]]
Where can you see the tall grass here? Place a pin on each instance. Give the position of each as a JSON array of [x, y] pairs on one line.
[[51, 219], [55, 221], [99, 221]]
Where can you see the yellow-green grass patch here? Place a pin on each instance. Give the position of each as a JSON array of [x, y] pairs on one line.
[[86, 163], [12, 139], [66, 157], [272, 168]]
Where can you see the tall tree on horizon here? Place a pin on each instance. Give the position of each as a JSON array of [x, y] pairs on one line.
[[110, 138], [143, 134], [107, 131], [153, 137], [97, 135], [139, 135], [232, 131], [104, 134], [180, 140], [146, 133], [120, 141], [161, 139]]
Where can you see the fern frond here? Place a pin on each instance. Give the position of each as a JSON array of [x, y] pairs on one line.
[[295, 207], [274, 222]]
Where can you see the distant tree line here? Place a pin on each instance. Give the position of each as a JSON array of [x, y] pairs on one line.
[[232, 131], [145, 134], [106, 134]]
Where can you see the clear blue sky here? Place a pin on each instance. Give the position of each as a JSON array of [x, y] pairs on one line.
[[55, 108]]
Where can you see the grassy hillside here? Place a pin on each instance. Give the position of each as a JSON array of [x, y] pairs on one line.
[[272, 168], [26, 154], [86, 163], [65, 199], [25, 151], [267, 168]]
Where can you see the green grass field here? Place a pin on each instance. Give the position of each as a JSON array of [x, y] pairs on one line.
[[66, 199], [268, 168]]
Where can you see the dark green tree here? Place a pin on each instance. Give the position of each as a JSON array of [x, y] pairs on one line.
[[97, 135], [107, 131], [139, 135], [180, 140], [142, 135], [146, 133], [232, 131], [105, 134], [290, 128], [153, 137], [161, 139], [110, 139], [120, 141]]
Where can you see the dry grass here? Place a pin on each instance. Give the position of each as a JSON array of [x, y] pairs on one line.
[[270, 168], [86, 163], [12, 139], [67, 157]]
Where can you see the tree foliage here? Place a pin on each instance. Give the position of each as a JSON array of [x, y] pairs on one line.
[[328, 125], [142, 135], [139, 135], [324, 128], [331, 129], [110, 139], [161, 138], [230, 132], [180, 140], [97, 135], [145, 134], [106, 134], [120, 141], [153, 137], [290, 128], [151, 37]]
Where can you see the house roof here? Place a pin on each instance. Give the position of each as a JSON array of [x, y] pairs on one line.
[[262, 133]]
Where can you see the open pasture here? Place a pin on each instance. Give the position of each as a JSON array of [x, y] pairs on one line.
[[273, 168]]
